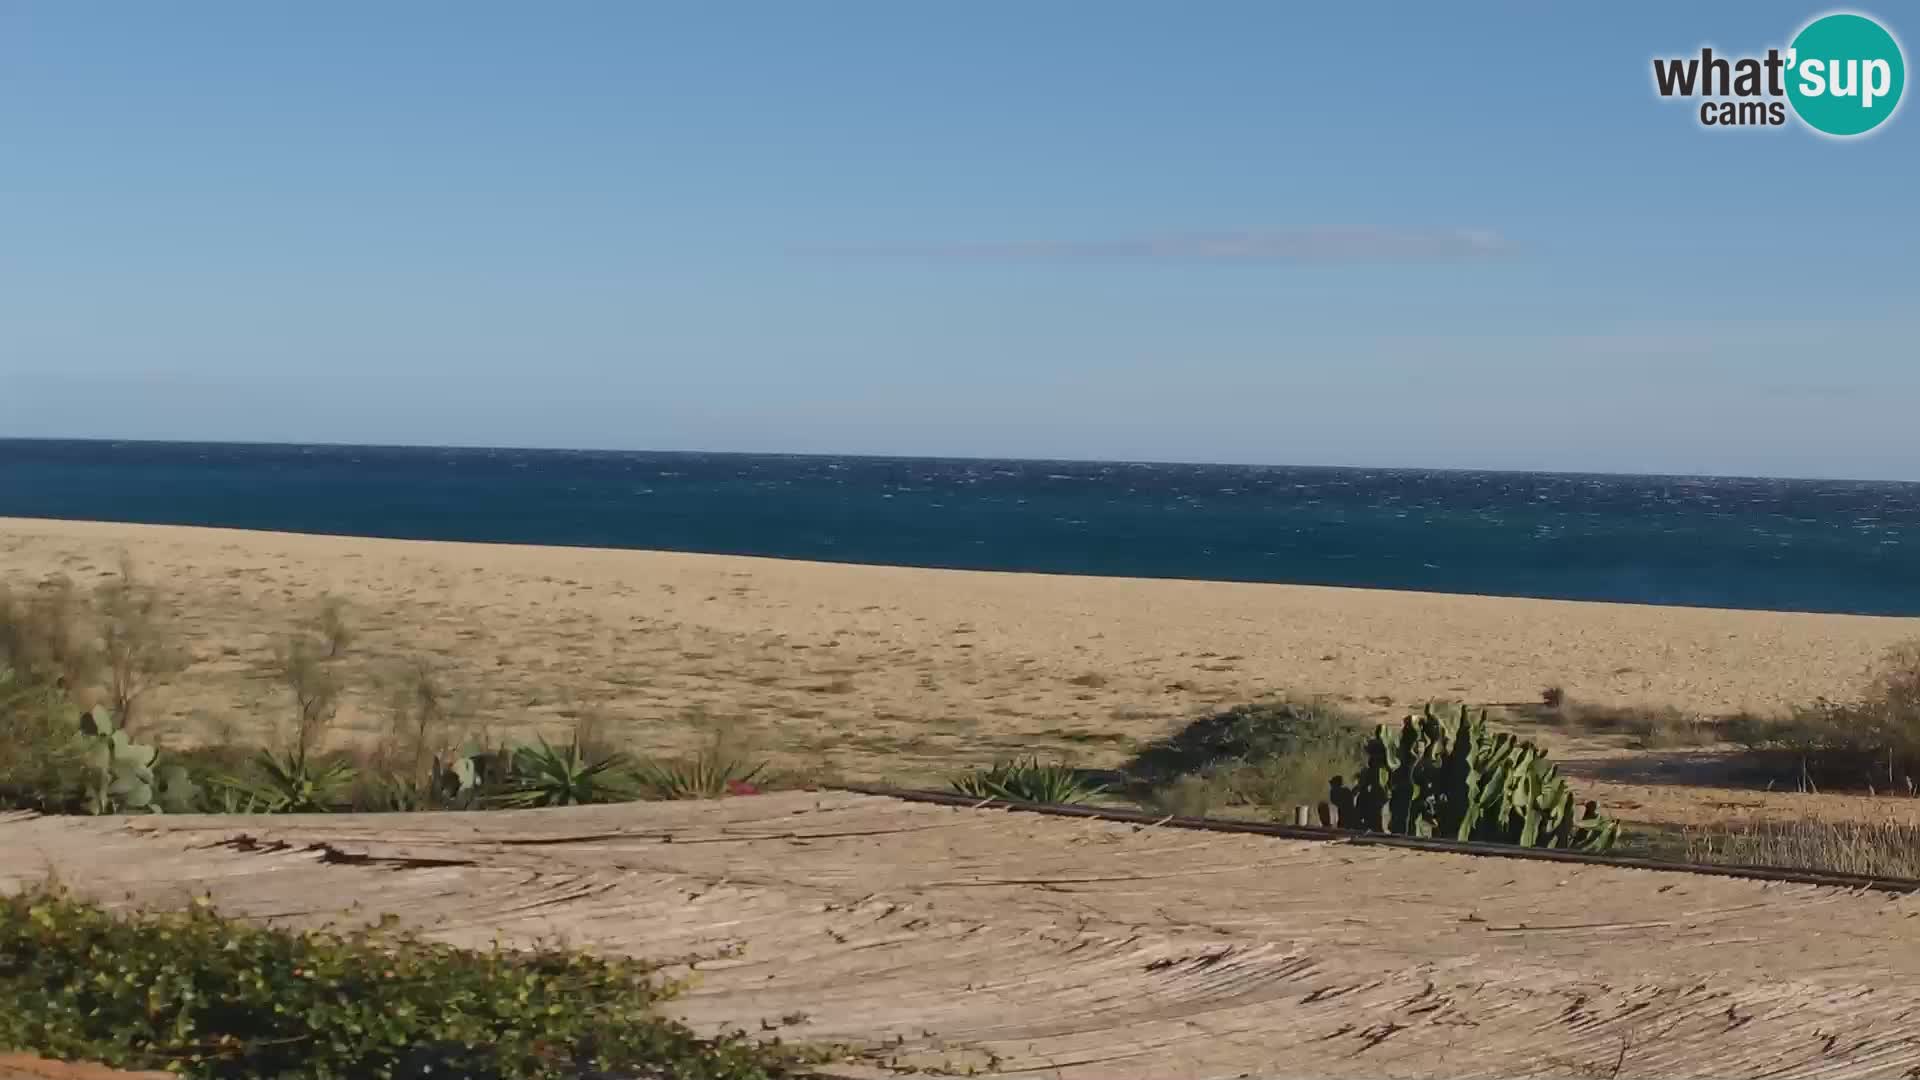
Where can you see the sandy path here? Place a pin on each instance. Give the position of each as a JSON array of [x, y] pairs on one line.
[[895, 673], [1019, 944]]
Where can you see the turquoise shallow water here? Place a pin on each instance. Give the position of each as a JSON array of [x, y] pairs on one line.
[[1744, 543]]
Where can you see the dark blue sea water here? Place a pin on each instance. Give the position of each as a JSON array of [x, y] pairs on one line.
[[1746, 543]]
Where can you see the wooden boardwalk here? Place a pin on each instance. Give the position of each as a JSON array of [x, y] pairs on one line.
[[1036, 946]]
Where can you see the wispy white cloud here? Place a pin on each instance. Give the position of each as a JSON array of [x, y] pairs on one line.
[[1317, 244]]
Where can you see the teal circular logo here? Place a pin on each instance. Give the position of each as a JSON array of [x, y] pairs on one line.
[[1845, 74]]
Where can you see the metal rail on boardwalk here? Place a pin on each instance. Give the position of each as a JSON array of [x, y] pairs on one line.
[[1365, 839]]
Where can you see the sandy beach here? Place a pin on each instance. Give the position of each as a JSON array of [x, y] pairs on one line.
[[893, 673]]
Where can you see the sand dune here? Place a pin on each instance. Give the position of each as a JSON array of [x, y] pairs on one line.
[[895, 673]]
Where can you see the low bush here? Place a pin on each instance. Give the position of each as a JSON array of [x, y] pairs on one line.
[[716, 771], [212, 997], [548, 775], [113, 645], [453, 781], [1249, 734], [1279, 784], [419, 711], [293, 782], [299, 665], [1027, 779], [42, 763], [1274, 755], [57, 758], [1188, 796], [47, 634], [138, 643], [1872, 742]]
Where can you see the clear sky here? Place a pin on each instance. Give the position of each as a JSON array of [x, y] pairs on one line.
[[1451, 235]]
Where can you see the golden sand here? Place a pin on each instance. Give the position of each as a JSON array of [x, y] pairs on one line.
[[891, 672]]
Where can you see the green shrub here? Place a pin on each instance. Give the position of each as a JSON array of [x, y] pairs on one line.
[[1250, 734], [224, 798], [1444, 773], [548, 775], [213, 997], [54, 758], [1273, 755], [1027, 779], [710, 774], [42, 763], [292, 782], [1278, 784]]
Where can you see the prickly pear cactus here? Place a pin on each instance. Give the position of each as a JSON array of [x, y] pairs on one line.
[[98, 722], [176, 793], [455, 781], [122, 778], [1441, 772]]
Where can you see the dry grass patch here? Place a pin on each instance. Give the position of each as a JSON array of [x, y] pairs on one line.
[[1651, 727], [1886, 849], [1871, 743]]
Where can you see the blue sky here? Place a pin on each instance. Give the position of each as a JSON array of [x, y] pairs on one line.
[[1462, 235]]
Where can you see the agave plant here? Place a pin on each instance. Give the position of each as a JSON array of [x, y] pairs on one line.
[[709, 775], [291, 783], [1027, 779], [223, 797], [548, 775]]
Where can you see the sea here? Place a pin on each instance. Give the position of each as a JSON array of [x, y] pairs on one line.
[[1796, 545]]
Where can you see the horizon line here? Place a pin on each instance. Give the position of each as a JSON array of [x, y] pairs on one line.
[[1510, 470]]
